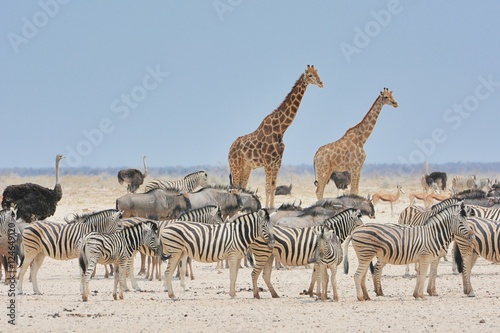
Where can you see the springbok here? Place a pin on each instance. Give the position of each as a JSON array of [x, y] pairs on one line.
[[388, 197]]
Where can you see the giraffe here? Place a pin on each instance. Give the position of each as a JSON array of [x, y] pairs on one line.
[[264, 147], [347, 153]]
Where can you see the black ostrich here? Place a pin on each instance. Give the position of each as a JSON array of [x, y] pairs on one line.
[[32, 201], [133, 177]]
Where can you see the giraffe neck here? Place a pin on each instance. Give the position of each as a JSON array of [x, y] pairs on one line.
[[365, 127], [283, 116]]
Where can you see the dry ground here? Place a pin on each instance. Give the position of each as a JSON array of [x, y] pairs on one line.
[[207, 307]]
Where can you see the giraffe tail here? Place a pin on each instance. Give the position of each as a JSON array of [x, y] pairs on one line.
[[315, 179]]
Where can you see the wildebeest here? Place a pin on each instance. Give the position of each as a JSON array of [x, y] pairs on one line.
[[283, 190], [227, 199], [156, 204], [365, 205], [326, 208]]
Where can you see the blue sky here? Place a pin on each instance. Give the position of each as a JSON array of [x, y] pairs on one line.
[[106, 82]]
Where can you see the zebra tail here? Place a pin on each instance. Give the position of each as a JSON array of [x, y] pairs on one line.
[[372, 267], [250, 259], [20, 253], [82, 259], [457, 257], [346, 257]]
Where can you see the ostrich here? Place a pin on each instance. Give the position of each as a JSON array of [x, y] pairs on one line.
[[33, 202], [133, 177]]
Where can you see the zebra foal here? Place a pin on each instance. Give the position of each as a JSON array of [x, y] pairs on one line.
[[400, 245], [327, 255], [117, 249], [209, 243], [59, 241]]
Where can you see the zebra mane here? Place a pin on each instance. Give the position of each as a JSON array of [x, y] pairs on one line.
[[229, 188], [446, 211], [88, 216], [194, 173], [445, 203]]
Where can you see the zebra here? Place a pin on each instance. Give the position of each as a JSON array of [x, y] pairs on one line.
[[118, 249], [462, 183], [212, 243], [400, 245], [328, 255], [481, 212], [486, 244], [294, 246], [59, 241], [416, 216], [186, 184], [209, 214]]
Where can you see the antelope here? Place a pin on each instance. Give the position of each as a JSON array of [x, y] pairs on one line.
[[388, 197]]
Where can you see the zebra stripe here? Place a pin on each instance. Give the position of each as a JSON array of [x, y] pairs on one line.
[[295, 246], [400, 245], [186, 184], [486, 244], [117, 249], [211, 243], [59, 241], [327, 255], [484, 212]]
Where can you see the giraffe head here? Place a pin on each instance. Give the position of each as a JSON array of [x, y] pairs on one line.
[[387, 98], [311, 76]]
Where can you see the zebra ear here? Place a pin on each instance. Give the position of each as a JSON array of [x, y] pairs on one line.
[[154, 227], [328, 233]]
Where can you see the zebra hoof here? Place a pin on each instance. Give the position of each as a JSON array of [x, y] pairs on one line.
[[471, 294]]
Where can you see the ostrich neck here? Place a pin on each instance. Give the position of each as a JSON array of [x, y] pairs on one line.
[[57, 172], [145, 167]]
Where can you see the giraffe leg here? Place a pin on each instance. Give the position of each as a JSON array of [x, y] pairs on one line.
[[355, 177], [271, 176]]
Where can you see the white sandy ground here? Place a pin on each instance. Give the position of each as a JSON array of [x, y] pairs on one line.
[[207, 307]]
